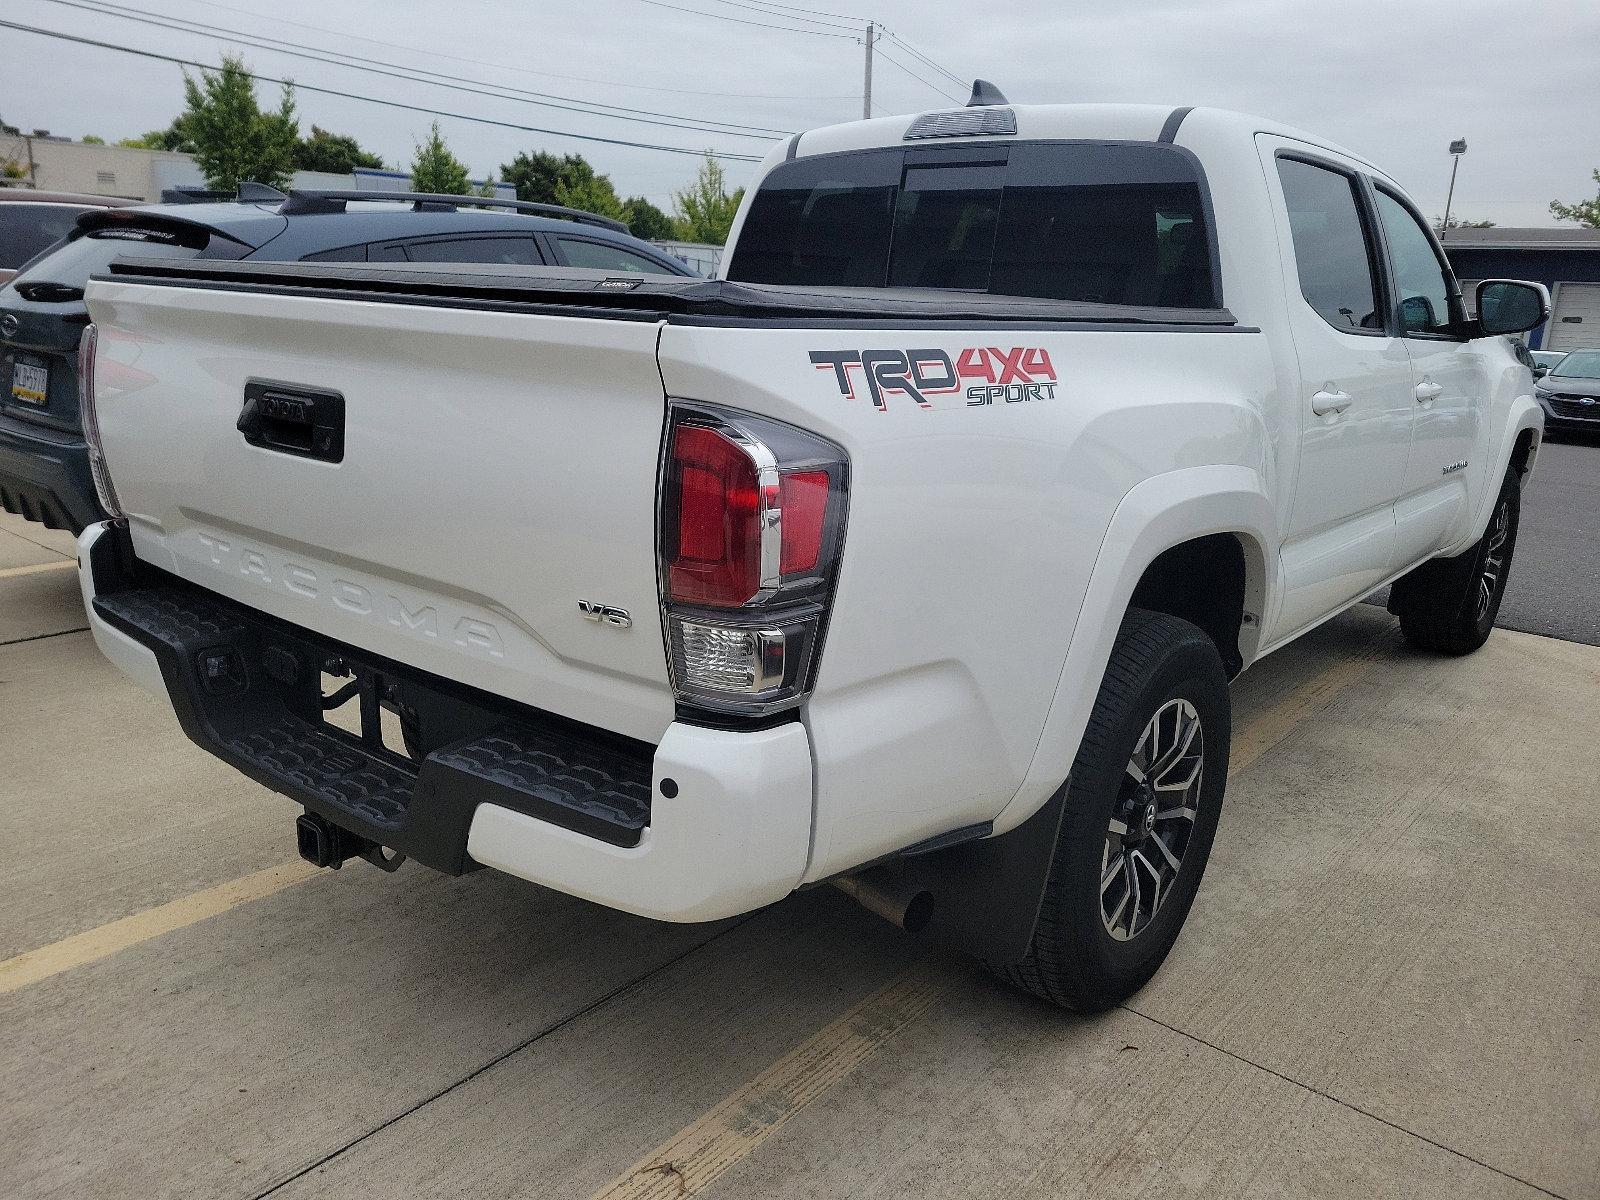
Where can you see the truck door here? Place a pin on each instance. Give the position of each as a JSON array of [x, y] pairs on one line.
[[1449, 386], [1355, 396]]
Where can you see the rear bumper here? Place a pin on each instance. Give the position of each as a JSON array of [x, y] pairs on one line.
[[44, 476], [705, 825]]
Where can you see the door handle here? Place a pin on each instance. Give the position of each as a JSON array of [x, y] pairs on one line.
[[1330, 400], [1428, 391]]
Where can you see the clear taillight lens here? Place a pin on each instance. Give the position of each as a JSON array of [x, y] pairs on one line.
[[88, 346], [752, 521]]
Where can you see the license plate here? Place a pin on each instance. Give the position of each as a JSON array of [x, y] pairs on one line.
[[29, 383]]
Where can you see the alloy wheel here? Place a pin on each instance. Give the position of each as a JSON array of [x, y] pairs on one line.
[[1153, 820], [1494, 557]]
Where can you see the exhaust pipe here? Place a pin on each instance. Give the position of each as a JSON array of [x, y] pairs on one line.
[[902, 904]]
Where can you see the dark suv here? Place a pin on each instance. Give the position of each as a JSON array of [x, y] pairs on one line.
[[44, 464]]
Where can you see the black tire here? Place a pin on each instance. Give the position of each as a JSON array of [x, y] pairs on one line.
[[1449, 605], [1076, 960]]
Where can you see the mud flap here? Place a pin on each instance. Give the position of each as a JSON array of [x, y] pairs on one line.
[[986, 893]]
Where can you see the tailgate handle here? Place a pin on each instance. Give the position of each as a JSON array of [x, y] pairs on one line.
[[291, 419]]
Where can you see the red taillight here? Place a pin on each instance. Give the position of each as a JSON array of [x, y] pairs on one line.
[[752, 521], [718, 555], [805, 509]]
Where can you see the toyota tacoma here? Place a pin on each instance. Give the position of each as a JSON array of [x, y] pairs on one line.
[[915, 553]]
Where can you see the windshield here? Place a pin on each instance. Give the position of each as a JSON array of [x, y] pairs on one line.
[[1580, 364], [72, 264], [1094, 222]]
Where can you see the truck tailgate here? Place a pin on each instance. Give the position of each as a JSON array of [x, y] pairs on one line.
[[497, 468]]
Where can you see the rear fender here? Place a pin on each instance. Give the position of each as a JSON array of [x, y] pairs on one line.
[[1155, 516]]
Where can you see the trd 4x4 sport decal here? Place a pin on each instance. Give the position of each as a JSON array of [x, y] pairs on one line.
[[989, 374]]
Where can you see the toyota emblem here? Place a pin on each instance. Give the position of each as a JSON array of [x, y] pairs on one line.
[[9, 325]]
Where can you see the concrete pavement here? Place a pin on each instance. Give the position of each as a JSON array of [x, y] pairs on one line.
[[1390, 984]]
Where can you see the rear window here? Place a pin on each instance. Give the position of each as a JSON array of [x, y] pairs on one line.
[[1101, 223], [72, 264], [26, 229]]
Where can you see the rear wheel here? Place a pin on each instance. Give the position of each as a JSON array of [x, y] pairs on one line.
[[1141, 810], [1449, 605]]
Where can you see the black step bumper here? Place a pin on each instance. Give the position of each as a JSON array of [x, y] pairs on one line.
[[250, 689]]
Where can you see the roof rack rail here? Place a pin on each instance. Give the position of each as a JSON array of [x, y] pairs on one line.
[[193, 195], [335, 201], [249, 192]]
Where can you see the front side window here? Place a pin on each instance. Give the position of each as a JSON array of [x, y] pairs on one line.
[[1423, 281], [602, 256], [1101, 223], [1332, 255]]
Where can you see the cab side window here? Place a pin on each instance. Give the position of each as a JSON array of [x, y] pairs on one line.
[[1332, 252], [1423, 280]]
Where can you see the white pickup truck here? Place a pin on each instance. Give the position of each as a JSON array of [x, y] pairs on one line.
[[915, 553]]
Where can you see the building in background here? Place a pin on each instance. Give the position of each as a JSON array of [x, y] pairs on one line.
[[1566, 259], [57, 165]]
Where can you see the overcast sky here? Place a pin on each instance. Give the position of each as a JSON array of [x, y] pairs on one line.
[[1395, 81]]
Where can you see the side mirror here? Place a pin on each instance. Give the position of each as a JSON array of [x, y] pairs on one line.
[[1510, 306], [1540, 372]]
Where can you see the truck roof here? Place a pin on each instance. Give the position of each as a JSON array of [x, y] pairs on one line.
[[1093, 122]]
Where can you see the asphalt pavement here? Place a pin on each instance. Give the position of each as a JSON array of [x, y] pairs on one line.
[[1554, 587], [1388, 986]]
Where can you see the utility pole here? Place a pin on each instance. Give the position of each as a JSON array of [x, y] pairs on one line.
[[1457, 149], [866, 86]]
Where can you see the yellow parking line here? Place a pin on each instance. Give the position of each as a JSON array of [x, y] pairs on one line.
[[705, 1149], [108, 939], [64, 564]]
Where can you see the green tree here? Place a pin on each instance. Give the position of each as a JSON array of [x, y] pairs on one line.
[[589, 192], [570, 179], [1584, 212], [535, 176], [336, 153], [93, 139], [647, 221], [435, 169], [173, 137], [235, 140], [1441, 225], [705, 210]]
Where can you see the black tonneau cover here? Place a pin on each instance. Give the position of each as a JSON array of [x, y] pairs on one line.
[[580, 292]]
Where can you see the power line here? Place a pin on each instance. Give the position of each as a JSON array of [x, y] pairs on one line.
[[925, 60], [816, 12], [932, 87], [455, 116], [767, 11], [478, 62], [742, 21], [413, 74]]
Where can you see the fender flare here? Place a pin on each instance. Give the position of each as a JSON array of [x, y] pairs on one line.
[[1156, 515], [1525, 414]]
